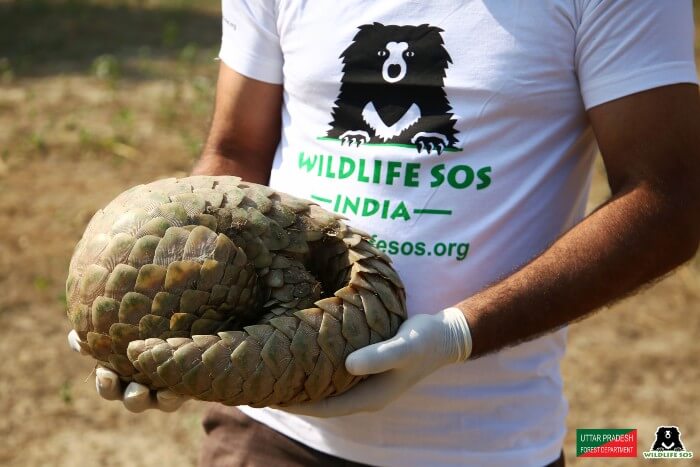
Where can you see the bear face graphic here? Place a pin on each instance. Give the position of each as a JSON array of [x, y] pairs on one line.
[[392, 89], [668, 438]]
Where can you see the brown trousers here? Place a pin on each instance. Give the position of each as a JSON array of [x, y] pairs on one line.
[[235, 440]]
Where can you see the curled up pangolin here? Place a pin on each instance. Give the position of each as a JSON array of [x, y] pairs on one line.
[[229, 291]]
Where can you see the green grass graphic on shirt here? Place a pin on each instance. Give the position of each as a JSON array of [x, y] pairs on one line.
[[397, 145]]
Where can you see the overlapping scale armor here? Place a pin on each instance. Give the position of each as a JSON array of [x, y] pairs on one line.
[[230, 292]]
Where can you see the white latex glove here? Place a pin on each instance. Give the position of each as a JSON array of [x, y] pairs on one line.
[[135, 397], [423, 344]]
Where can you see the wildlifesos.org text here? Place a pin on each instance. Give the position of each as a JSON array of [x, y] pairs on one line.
[[454, 250]]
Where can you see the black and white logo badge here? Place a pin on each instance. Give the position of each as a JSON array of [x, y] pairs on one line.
[[668, 444], [392, 90]]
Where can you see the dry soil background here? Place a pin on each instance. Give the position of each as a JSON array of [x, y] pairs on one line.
[[96, 96]]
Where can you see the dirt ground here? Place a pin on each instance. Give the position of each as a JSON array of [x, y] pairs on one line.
[[96, 96]]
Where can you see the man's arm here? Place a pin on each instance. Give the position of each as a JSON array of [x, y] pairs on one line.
[[245, 129], [650, 143]]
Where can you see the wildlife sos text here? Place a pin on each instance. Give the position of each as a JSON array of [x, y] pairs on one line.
[[402, 173]]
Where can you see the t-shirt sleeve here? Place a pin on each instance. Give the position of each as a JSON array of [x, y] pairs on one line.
[[250, 43], [628, 46]]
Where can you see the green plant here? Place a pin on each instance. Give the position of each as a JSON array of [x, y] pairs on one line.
[[6, 72], [38, 142], [106, 67], [66, 393], [41, 283], [170, 33]]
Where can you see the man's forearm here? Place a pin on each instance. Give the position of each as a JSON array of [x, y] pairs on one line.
[[245, 129], [637, 236]]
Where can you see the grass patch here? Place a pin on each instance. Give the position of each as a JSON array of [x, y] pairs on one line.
[[39, 37]]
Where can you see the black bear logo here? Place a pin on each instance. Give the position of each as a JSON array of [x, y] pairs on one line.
[[392, 89], [668, 438]]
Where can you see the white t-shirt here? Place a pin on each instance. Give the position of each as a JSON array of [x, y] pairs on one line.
[[498, 91]]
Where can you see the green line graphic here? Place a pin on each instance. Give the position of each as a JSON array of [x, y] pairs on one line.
[[323, 200], [445, 212], [397, 145]]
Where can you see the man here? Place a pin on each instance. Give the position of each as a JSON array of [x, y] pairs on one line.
[[461, 135]]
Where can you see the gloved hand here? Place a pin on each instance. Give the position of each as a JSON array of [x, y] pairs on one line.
[[135, 397], [423, 344]]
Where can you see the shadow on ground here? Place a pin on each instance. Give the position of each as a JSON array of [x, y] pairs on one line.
[[43, 37]]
